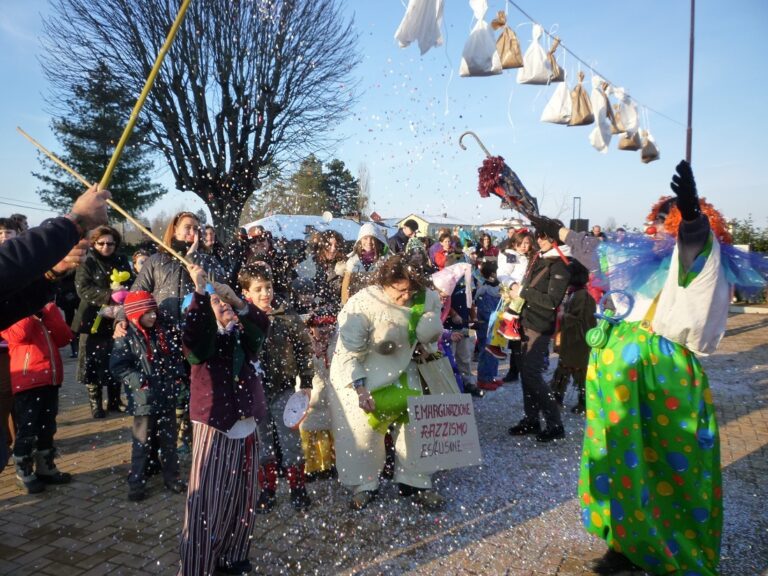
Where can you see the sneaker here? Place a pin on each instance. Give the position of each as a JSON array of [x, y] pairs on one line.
[[551, 433], [299, 498], [522, 428], [511, 376], [266, 501], [473, 390], [496, 352], [31, 486], [428, 499], [239, 567], [176, 486], [487, 385], [361, 499]]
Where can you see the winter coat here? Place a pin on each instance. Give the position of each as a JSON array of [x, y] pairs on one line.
[[373, 339], [578, 317], [511, 267], [287, 352], [397, 242], [486, 300], [92, 284], [152, 385], [23, 262], [225, 386], [543, 289], [33, 345], [168, 281]]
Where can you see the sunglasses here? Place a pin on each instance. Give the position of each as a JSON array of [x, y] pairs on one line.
[[105, 243]]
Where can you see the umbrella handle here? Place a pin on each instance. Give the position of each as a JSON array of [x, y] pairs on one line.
[[478, 141]]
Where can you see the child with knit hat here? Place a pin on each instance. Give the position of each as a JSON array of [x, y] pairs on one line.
[[150, 367]]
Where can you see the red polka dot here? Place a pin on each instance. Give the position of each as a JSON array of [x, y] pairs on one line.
[[656, 511], [633, 375], [620, 531], [613, 416], [626, 481], [672, 403], [678, 479]]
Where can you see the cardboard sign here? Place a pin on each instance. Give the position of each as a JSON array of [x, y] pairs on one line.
[[442, 433]]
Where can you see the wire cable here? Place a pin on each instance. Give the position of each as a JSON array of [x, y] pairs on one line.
[[592, 68]]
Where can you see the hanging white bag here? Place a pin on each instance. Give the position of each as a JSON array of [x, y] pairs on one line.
[[423, 22], [480, 57], [536, 68], [600, 136], [558, 109]]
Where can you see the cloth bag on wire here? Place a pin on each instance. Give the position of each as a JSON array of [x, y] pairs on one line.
[[558, 109], [536, 68], [600, 137], [649, 152], [480, 57], [507, 45], [423, 22], [581, 109]]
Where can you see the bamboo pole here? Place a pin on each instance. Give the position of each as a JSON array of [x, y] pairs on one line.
[[111, 203], [689, 128], [143, 96]]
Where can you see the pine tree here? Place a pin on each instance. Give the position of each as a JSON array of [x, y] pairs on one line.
[[341, 188], [93, 117]]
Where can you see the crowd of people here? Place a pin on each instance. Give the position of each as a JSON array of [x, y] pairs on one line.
[[212, 354]]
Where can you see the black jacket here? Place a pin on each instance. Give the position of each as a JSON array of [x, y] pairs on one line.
[[93, 287], [168, 281], [543, 289], [397, 242], [151, 386], [23, 262]]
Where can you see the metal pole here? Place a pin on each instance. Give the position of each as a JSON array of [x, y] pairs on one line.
[[689, 130]]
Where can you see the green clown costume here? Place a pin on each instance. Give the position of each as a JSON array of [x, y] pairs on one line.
[[650, 479]]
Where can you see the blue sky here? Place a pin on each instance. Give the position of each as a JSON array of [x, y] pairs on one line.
[[413, 108]]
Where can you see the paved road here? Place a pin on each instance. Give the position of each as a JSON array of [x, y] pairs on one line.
[[517, 514]]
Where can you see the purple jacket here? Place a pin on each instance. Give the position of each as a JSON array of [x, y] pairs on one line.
[[224, 385]]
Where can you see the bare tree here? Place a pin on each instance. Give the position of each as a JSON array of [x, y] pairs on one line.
[[364, 184], [245, 85]]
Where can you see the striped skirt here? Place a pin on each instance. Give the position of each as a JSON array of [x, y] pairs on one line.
[[220, 501]]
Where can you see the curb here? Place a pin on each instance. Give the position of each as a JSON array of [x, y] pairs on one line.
[[747, 309]]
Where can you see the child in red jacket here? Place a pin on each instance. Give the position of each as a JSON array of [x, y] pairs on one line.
[[36, 375]]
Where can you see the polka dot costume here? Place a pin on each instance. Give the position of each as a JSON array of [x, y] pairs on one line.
[[650, 482]]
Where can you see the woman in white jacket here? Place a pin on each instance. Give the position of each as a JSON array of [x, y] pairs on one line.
[[380, 329]]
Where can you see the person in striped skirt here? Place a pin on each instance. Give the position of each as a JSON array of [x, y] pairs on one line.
[[222, 337]]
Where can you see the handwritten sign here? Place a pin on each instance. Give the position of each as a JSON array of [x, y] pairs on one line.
[[442, 433]]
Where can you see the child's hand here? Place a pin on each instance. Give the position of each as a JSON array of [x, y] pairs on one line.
[[228, 295], [199, 277], [456, 336], [121, 330]]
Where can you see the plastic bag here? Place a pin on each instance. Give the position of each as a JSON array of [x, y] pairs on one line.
[[507, 45], [649, 151], [423, 22], [625, 112], [558, 109], [581, 109], [536, 68], [600, 137], [479, 57]]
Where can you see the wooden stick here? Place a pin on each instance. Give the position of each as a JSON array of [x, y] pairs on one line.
[[143, 96], [113, 204]]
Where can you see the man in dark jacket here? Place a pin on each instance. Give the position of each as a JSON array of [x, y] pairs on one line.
[[398, 241], [543, 289], [31, 263]]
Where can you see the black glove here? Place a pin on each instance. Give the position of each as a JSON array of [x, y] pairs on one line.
[[305, 381], [684, 187], [546, 226]]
